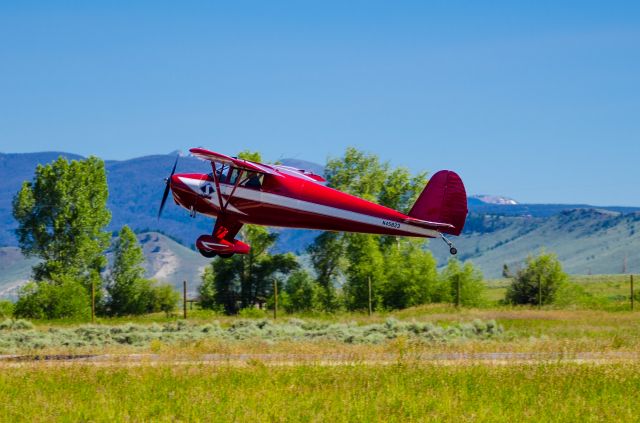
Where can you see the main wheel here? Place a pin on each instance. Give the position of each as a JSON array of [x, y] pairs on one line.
[[453, 251], [225, 255], [208, 254]]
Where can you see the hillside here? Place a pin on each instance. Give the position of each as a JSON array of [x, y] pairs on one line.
[[165, 261], [587, 241]]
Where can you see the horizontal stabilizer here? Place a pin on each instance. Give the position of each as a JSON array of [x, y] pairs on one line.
[[427, 224]]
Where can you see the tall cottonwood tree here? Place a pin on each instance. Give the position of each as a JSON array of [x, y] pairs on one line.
[[362, 256], [62, 214]]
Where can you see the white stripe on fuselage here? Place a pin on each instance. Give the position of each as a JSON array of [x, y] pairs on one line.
[[305, 206]]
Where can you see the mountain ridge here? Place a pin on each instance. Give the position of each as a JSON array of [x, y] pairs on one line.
[[494, 233]]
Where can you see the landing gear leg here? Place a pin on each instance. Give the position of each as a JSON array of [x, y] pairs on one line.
[[452, 250]]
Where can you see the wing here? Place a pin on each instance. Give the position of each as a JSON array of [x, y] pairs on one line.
[[204, 154], [300, 173]]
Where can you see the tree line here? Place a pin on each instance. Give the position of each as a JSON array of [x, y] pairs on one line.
[[62, 217]]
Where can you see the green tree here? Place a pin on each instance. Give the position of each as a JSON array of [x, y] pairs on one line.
[[357, 173], [61, 218], [207, 289], [464, 281], [411, 276], [244, 281], [365, 176], [543, 272], [328, 261], [129, 292], [400, 190], [302, 292], [163, 298], [366, 264]]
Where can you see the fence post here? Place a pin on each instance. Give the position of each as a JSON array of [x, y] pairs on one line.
[[539, 292], [275, 297], [93, 302], [184, 299], [632, 299], [457, 290], [370, 306]]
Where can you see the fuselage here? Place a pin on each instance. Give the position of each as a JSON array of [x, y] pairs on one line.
[[288, 198]]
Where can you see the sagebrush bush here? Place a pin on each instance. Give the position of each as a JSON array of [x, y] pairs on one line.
[[19, 334]]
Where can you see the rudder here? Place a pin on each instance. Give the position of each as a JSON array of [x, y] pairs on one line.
[[443, 200]]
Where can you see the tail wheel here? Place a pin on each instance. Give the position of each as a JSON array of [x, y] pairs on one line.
[[208, 254], [225, 255]]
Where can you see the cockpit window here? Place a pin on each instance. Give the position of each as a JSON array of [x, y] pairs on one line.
[[252, 180], [233, 177], [221, 173]]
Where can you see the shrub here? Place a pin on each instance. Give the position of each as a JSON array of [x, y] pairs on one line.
[[164, 298], [12, 324], [66, 298], [6, 309], [19, 335], [302, 293], [543, 272], [468, 278]]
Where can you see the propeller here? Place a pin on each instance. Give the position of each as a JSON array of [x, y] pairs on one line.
[[167, 187]]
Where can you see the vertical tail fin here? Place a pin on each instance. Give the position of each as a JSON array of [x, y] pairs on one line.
[[443, 200]]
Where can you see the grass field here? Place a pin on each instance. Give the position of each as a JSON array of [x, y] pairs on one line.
[[541, 373], [399, 392]]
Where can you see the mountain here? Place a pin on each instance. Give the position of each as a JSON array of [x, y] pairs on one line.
[[497, 231], [16, 270], [495, 199]]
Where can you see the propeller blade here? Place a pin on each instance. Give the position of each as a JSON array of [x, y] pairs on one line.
[[167, 188]]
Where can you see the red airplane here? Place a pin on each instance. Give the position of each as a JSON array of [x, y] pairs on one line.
[[239, 192]]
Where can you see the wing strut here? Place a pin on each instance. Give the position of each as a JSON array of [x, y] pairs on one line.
[[226, 228], [216, 181], [235, 185]]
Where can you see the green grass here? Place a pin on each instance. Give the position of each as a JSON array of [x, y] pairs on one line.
[[401, 392], [604, 291]]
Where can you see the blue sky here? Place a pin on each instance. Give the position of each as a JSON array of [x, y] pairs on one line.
[[535, 100]]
